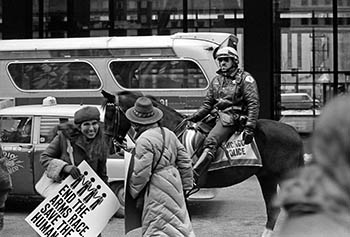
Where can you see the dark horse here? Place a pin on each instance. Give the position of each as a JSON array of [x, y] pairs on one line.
[[280, 147]]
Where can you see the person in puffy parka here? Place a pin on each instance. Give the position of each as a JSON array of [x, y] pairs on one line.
[[164, 176]]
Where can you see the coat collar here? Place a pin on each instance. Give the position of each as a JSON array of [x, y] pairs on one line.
[[230, 73]]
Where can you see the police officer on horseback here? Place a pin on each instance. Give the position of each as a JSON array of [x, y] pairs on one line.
[[233, 93]]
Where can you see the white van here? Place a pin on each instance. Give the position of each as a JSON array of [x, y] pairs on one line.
[[176, 68]]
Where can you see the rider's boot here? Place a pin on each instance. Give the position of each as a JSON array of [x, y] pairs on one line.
[[200, 169]]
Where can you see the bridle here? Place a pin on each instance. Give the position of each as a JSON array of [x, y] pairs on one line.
[[117, 124]]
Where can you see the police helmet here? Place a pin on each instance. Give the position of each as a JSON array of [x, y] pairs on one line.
[[227, 52]]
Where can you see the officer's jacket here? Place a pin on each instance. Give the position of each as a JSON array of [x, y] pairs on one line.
[[237, 86]]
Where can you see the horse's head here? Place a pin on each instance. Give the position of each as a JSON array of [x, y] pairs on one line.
[[125, 100], [116, 123]]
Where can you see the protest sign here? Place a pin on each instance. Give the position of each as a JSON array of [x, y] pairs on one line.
[[80, 207]]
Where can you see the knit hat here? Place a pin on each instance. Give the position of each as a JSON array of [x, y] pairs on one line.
[[143, 112], [85, 114]]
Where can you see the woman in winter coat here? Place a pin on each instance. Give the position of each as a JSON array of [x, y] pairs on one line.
[[317, 198], [88, 142], [164, 210], [5, 187]]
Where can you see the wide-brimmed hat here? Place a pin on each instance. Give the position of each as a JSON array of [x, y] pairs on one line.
[[143, 112]]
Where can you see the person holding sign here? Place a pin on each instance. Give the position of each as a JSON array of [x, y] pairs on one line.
[[317, 197], [162, 170], [88, 143], [5, 187], [232, 93]]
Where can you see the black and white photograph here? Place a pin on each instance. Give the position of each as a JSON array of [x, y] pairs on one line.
[[189, 118]]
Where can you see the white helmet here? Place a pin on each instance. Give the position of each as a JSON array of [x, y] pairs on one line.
[[227, 52]]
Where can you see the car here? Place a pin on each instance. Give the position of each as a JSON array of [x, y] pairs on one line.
[[25, 132], [298, 101]]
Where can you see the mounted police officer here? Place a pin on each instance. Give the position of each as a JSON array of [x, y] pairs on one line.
[[233, 93]]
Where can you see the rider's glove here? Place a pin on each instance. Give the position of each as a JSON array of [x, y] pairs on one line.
[[222, 104], [248, 135], [72, 170]]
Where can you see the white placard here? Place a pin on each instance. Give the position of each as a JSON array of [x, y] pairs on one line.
[[80, 207]]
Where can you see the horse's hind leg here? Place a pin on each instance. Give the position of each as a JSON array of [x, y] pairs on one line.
[[268, 186]]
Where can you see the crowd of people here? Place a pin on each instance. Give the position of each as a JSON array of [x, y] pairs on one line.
[[316, 198]]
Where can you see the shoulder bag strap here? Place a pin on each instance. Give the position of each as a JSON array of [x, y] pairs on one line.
[[162, 152], [70, 151], [160, 157]]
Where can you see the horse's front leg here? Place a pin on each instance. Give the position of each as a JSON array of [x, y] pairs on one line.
[[268, 186]]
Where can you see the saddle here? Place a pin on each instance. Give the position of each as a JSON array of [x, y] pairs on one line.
[[232, 152]]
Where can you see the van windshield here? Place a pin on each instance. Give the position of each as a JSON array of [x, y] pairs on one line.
[[158, 74]]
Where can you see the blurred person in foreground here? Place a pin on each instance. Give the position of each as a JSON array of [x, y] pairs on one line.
[[317, 197], [5, 187], [163, 169]]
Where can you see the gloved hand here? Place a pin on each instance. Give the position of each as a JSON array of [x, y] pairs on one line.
[[72, 170], [248, 135], [223, 104]]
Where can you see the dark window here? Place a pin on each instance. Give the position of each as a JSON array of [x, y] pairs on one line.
[[161, 74], [49, 127], [16, 129], [54, 76]]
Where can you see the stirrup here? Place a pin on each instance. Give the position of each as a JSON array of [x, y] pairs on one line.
[[194, 190]]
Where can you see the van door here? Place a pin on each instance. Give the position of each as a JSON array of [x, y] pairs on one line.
[[16, 137]]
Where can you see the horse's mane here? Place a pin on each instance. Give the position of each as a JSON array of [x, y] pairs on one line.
[[133, 95], [126, 99], [164, 108]]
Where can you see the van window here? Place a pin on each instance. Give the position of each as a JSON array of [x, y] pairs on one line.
[[160, 74], [16, 129], [54, 76]]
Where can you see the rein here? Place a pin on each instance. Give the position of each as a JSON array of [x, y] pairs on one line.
[[117, 119], [178, 128]]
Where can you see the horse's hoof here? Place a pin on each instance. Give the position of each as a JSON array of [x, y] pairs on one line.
[[307, 158], [267, 233]]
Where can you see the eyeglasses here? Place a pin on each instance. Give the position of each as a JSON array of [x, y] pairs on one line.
[[223, 59]]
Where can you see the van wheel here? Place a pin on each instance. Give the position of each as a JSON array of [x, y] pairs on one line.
[[118, 189]]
